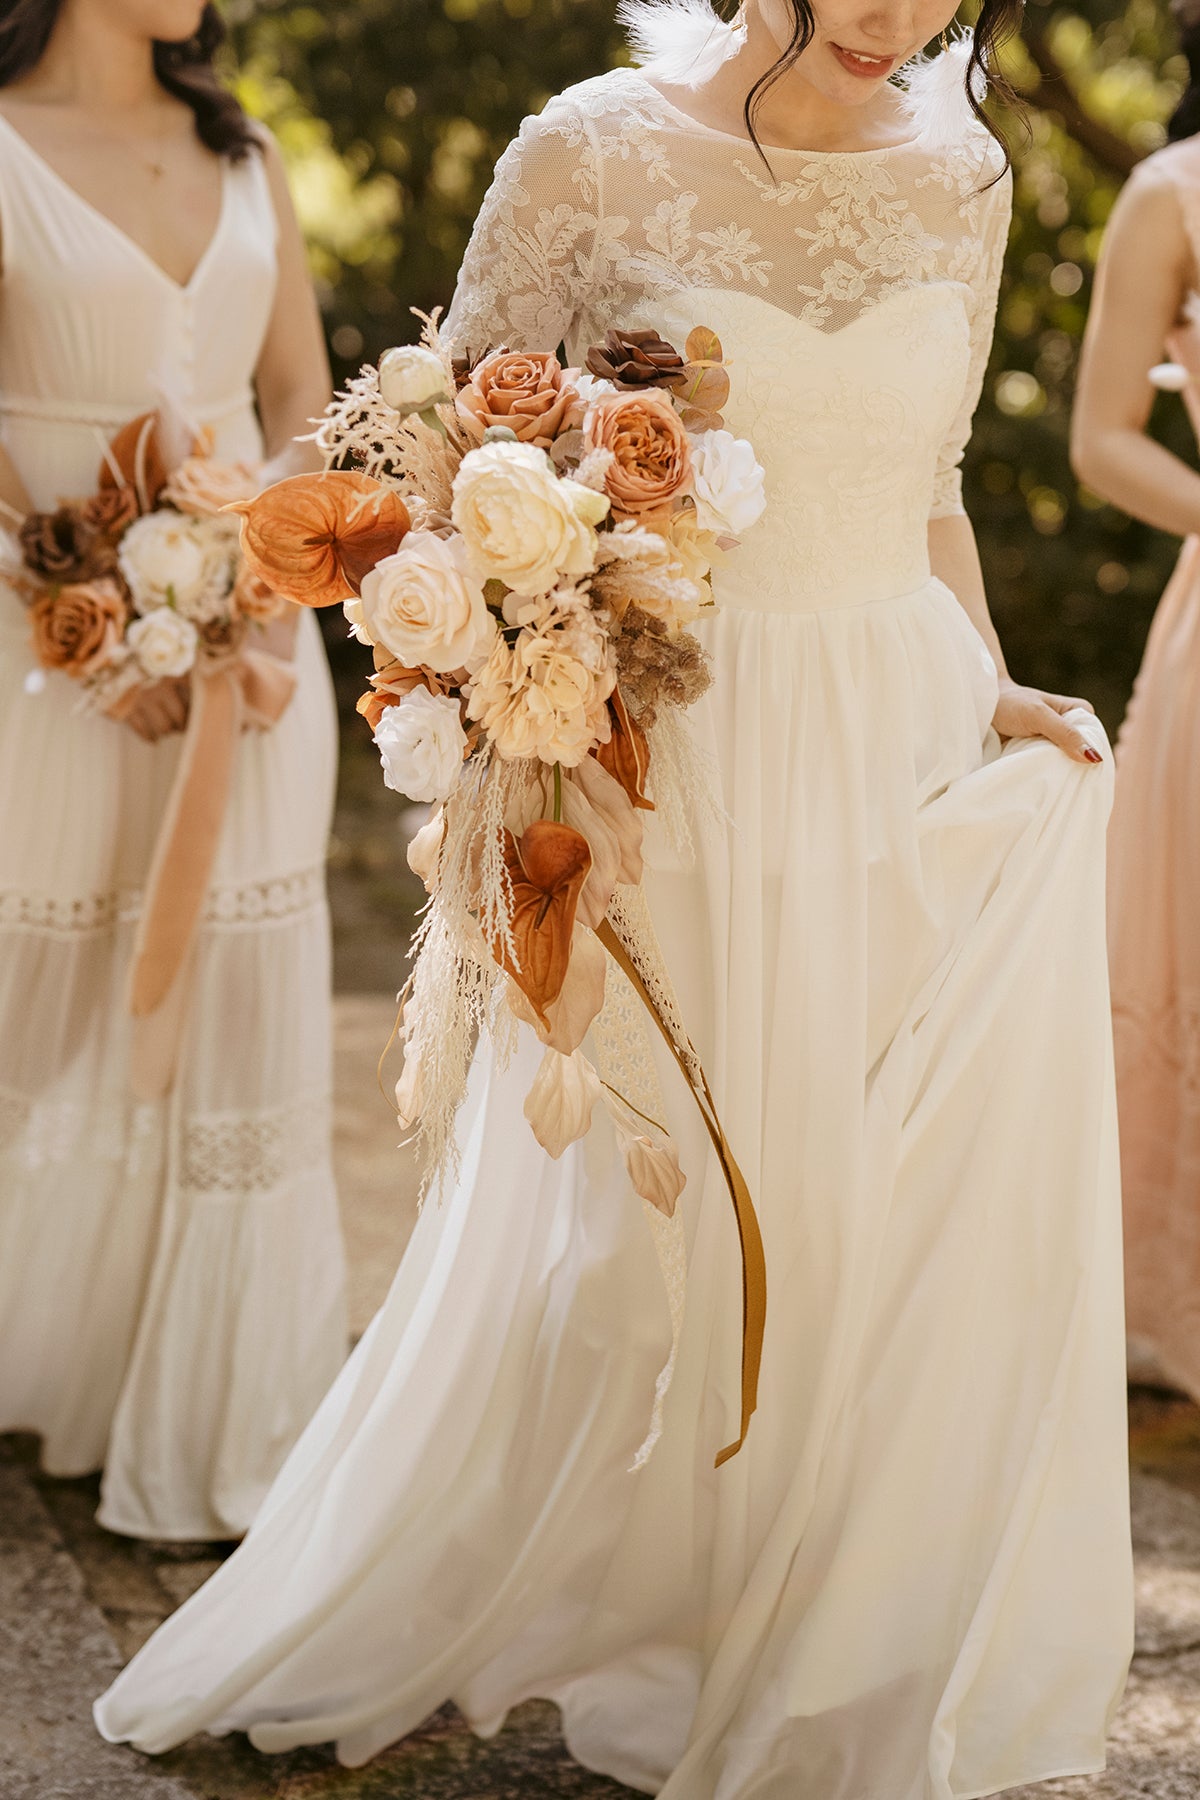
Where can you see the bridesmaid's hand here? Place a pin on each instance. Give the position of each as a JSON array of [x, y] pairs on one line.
[[1023, 712], [157, 710]]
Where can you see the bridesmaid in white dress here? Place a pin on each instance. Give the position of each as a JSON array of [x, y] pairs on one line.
[[913, 1583], [171, 1274]]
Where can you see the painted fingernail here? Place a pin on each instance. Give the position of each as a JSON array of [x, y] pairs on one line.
[[1093, 755]]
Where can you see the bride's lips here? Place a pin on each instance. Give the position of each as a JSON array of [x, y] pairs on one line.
[[868, 68]]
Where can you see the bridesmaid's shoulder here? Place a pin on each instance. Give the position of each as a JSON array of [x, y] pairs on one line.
[[1166, 172]]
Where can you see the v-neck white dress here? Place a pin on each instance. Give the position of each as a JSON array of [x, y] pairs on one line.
[[171, 1275]]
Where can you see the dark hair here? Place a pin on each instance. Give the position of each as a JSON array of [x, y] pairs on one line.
[[1185, 120], [183, 69], [998, 20]]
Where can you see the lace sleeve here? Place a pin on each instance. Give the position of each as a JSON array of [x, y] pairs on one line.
[[528, 267], [996, 212]]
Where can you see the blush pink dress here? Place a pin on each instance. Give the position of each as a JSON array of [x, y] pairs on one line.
[[1154, 941]]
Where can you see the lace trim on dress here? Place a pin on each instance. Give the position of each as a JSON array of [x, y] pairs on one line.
[[255, 903], [238, 1153]]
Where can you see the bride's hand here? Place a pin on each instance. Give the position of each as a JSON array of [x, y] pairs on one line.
[[1023, 712], [155, 710]]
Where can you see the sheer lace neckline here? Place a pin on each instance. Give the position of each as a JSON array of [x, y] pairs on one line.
[[686, 122]]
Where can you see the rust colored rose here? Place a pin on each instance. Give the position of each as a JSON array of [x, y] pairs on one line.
[[635, 359], [389, 685], [77, 626], [626, 755], [312, 538], [548, 865], [135, 460], [531, 394], [110, 511], [652, 458], [63, 546]]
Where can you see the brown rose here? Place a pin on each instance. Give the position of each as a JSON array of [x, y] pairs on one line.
[[635, 359], [63, 546], [652, 458], [110, 511], [77, 626], [531, 394]]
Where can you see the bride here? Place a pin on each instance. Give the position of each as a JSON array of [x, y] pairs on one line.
[[913, 1583]]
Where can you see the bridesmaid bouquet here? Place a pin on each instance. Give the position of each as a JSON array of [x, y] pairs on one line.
[[144, 579], [523, 547]]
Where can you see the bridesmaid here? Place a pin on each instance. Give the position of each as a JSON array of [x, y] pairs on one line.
[[1147, 297], [171, 1273]]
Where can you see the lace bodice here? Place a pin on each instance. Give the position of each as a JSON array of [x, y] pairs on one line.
[[855, 294]]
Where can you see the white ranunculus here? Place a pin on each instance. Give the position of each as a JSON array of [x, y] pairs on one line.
[[591, 388], [412, 379], [728, 483], [421, 742], [164, 643], [171, 559], [424, 605], [521, 525]]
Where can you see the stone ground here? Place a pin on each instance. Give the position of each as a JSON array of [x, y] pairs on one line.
[[75, 1601]]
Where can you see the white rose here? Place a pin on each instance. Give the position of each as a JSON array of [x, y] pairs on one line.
[[426, 607], [169, 559], [591, 388], [163, 642], [355, 618], [412, 379], [728, 483], [421, 742], [521, 525]]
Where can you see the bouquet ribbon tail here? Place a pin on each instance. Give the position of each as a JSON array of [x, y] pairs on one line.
[[254, 688], [754, 1264]]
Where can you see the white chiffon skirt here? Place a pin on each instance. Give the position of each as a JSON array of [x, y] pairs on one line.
[[914, 1581], [171, 1275]]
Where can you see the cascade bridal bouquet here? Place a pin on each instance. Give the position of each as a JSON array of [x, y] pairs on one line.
[[523, 546]]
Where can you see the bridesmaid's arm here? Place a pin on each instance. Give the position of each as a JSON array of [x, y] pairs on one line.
[[1141, 286]]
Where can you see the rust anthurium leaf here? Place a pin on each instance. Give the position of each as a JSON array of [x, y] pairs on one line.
[[135, 460], [626, 756], [314, 537], [548, 865]]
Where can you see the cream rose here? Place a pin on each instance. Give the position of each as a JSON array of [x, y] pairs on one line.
[[521, 525], [421, 743], [426, 607], [163, 642], [728, 483], [413, 379], [169, 560]]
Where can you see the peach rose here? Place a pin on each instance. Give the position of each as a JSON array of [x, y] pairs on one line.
[[78, 626], [651, 452], [531, 394], [255, 598], [200, 485], [390, 685]]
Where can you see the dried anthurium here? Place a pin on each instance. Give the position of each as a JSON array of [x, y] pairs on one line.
[[560, 1103], [651, 1159], [547, 866], [134, 459], [314, 537], [626, 755]]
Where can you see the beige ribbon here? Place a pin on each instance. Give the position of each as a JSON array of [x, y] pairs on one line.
[[251, 689], [754, 1263]]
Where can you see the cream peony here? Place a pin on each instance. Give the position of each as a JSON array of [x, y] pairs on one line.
[[521, 525], [728, 483], [170, 560], [164, 643], [546, 696], [421, 743], [413, 379], [426, 607]]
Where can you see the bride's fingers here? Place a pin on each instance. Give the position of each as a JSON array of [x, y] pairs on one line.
[[1064, 703], [1051, 724]]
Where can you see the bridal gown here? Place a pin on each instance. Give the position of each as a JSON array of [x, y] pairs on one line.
[[171, 1292], [914, 1579]]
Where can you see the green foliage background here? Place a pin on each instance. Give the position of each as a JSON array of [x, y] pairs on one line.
[[392, 112]]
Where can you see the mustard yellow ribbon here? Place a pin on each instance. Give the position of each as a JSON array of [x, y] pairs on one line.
[[754, 1263], [251, 689]]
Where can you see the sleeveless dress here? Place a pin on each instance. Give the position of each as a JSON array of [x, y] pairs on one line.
[[913, 1583], [171, 1279], [1154, 892]]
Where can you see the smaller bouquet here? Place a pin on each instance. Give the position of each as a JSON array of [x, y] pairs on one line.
[[144, 579]]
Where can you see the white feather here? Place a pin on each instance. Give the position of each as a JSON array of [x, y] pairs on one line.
[[685, 41], [936, 93]]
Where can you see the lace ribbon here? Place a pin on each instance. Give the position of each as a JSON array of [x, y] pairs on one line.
[[252, 689], [754, 1266]]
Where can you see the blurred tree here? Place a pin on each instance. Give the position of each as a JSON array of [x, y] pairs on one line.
[[392, 113]]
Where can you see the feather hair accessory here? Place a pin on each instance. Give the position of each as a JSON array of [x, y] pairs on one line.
[[685, 41], [936, 93]]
